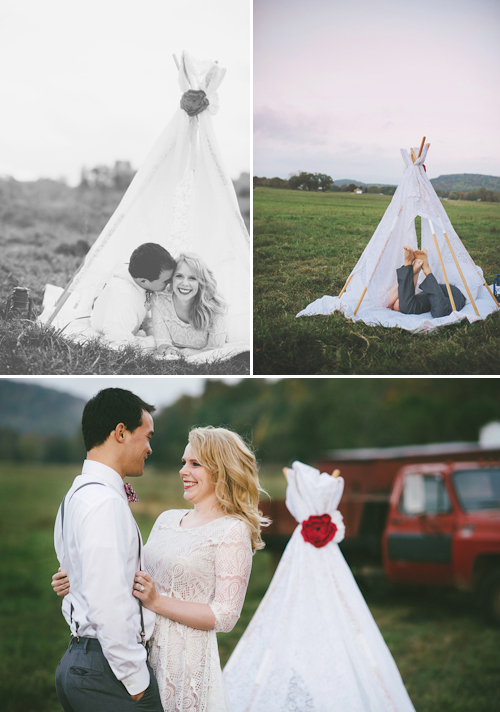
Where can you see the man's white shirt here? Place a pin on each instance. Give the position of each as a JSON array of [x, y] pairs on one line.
[[119, 311], [100, 552]]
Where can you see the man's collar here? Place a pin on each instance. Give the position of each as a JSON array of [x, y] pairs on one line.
[[101, 471]]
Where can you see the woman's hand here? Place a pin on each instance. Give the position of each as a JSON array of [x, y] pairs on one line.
[[145, 590], [168, 350], [60, 583]]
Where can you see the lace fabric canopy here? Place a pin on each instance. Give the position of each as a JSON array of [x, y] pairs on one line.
[[375, 271], [312, 644], [182, 198]]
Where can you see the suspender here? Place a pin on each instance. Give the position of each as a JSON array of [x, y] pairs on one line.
[[143, 632]]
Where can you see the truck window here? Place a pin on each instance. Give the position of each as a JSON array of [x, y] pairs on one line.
[[478, 489], [424, 494]]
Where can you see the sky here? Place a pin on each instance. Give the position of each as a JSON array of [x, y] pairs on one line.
[[157, 391], [89, 83], [340, 87]]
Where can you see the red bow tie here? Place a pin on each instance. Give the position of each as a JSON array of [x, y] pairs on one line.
[[130, 492]]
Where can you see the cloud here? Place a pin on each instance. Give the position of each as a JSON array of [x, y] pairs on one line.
[[292, 128]]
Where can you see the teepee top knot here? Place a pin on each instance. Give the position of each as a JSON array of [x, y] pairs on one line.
[[419, 160], [201, 75]]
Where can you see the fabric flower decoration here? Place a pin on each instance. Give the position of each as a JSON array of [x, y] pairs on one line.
[[318, 530], [194, 101]]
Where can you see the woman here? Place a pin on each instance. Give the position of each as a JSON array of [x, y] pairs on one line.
[[198, 563], [191, 316]]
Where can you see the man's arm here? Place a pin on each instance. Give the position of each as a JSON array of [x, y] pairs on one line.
[[118, 315]]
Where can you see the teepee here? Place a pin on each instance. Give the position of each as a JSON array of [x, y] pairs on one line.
[[365, 294], [182, 198]]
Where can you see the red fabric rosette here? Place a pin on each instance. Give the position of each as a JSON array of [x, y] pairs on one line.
[[318, 530], [194, 101]]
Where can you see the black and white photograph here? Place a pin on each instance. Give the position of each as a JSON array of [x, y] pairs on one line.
[[125, 187]]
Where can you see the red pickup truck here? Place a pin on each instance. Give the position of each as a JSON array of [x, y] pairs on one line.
[[443, 528]]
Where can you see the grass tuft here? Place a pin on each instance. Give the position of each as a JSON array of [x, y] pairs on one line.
[[32, 348]]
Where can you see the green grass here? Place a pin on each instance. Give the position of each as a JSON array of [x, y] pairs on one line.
[[42, 225], [305, 246], [31, 348], [446, 654]]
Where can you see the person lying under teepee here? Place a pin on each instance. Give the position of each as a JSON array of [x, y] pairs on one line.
[[433, 297], [366, 295], [161, 305]]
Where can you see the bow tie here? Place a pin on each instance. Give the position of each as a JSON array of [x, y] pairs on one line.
[[130, 492]]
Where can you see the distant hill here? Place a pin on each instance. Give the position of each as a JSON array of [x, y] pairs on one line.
[[466, 182], [33, 409]]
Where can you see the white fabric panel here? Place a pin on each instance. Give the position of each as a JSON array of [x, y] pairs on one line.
[[313, 645]]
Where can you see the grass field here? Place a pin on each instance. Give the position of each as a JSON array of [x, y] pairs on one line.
[[305, 246], [45, 230], [446, 654]]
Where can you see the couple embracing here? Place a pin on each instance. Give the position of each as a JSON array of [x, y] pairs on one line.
[[188, 582]]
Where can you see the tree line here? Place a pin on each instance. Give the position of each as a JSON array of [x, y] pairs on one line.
[[318, 182], [297, 418], [482, 194]]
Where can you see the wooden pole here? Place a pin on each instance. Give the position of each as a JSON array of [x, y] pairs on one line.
[[360, 300], [461, 273], [379, 257], [345, 286], [413, 156], [442, 266], [421, 147], [489, 290]]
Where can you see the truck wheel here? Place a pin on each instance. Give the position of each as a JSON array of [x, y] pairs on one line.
[[489, 596]]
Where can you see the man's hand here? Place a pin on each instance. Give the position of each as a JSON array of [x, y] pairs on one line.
[[60, 583], [137, 697]]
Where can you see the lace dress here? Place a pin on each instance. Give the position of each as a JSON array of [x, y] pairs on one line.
[[208, 564], [313, 645], [167, 328]]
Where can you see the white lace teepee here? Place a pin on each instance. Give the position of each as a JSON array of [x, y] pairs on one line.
[[312, 645], [365, 296], [182, 198]]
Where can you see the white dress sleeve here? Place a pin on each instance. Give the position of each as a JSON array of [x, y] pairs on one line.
[[217, 332], [233, 564]]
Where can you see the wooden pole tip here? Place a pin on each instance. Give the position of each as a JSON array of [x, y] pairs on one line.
[[335, 473]]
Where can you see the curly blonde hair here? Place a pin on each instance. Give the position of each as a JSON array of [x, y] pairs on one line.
[[207, 303], [232, 465]]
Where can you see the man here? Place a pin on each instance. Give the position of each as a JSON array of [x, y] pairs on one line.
[[434, 297], [98, 543], [120, 309]]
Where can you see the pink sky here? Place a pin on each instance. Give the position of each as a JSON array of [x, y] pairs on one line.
[[340, 87]]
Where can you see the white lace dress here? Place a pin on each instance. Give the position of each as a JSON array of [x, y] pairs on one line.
[[167, 328], [312, 645], [208, 564]]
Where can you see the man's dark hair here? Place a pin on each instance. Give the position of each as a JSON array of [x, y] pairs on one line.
[[149, 260], [105, 410]]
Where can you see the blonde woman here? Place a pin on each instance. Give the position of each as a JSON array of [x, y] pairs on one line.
[[190, 316], [198, 563]]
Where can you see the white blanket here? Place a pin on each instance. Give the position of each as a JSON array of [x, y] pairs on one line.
[[381, 316]]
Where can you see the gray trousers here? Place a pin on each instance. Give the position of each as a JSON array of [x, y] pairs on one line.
[[86, 683], [434, 296]]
